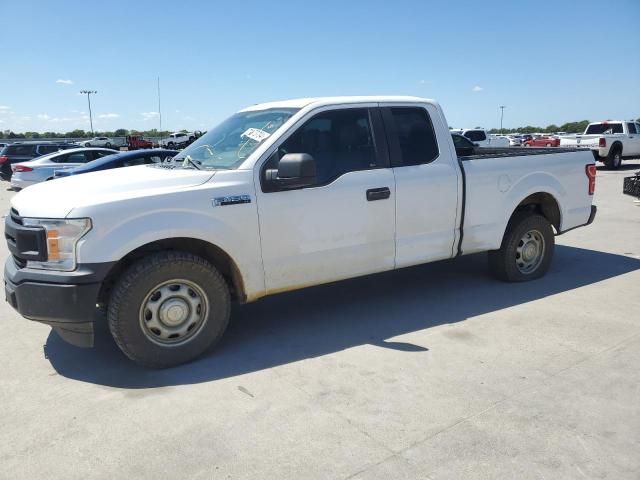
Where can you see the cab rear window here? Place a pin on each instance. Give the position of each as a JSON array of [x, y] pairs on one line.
[[604, 128]]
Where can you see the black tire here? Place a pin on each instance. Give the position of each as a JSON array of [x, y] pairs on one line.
[[107, 145], [87, 144], [504, 263], [614, 159], [171, 145], [136, 288]]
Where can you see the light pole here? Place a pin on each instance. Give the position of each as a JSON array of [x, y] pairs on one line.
[[502, 107], [88, 93]]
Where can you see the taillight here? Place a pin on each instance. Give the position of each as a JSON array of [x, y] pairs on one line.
[[3, 158], [590, 170], [602, 142], [21, 168]]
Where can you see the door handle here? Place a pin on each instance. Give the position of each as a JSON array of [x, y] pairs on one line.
[[378, 194]]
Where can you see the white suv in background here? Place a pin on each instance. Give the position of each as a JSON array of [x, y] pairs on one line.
[[481, 138]]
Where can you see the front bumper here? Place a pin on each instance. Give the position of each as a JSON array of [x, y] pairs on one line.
[[64, 300]]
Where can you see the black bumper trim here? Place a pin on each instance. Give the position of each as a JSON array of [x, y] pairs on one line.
[[64, 300]]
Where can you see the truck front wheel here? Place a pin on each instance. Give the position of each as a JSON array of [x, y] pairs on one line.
[[168, 308], [526, 250]]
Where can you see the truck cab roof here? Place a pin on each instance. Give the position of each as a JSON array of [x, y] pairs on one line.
[[322, 101]]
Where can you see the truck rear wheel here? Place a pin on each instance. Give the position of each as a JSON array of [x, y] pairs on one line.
[[614, 159], [526, 251], [168, 308]]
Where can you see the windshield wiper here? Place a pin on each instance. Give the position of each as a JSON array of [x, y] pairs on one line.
[[188, 160]]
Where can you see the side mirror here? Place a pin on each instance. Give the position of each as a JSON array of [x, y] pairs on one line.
[[295, 170]]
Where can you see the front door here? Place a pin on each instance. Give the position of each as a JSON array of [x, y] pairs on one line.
[[343, 225]]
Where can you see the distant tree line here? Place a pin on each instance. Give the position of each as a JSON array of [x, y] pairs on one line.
[[121, 132], [571, 127]]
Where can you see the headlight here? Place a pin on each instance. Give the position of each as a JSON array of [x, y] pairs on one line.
[[62, 238]]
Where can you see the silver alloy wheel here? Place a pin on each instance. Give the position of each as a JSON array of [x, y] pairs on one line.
[[174, 312], [530, 252]]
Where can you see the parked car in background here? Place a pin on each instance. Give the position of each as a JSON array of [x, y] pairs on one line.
[[545, 141], [98, 142], [25, 151], [610, 141], [135, 142], [2, 145], [515, 140], [482, 138], [464, 147], [43, 168], [118, 160], [177, 139]]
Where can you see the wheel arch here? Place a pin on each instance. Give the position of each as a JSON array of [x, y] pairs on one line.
[[210, 252]]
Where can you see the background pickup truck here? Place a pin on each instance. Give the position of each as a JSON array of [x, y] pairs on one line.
[[610, 141], [278, 197]]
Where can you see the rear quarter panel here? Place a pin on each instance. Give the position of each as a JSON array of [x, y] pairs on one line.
[[496, 186]]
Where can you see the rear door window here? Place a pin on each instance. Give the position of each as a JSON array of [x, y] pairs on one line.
[[632, 128], [412, 139]]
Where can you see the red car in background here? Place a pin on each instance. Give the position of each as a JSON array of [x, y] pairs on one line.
[[542, 142]]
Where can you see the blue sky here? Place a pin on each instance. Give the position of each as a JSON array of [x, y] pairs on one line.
[[548, 62]]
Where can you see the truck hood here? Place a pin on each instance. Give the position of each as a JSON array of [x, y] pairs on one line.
[[57, 198]]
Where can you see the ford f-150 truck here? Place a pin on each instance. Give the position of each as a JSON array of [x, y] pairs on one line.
[[610, 141], [278, 197]]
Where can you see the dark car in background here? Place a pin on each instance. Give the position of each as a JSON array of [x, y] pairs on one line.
[[25, 151], [464, 147], [119, 160]]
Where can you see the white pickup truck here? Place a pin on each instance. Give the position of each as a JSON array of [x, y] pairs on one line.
[[280, 196], [610, 141], [178, 139]]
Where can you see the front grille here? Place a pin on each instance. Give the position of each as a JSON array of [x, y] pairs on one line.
[[15, 216]]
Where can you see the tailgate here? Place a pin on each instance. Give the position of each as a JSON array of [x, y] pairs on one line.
[[580, 141]]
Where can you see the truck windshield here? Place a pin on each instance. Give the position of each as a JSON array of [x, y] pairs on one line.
[[603, 128], [230, 143]]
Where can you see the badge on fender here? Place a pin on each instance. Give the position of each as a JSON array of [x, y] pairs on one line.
[[230, 200]]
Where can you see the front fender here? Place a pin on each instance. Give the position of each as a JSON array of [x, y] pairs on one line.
[[234, 229]]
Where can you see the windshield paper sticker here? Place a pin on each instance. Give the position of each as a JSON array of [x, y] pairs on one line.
[[255, 134]]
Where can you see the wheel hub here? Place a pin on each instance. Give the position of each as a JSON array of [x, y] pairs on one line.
[[173, 312], [530, 252]]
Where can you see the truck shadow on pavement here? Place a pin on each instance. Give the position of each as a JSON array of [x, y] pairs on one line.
[[321, 320]]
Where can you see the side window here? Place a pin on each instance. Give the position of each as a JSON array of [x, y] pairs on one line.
[[99, 154], [340, 141], [632, 128], [45, 149], [77, 157], [153, 159], [415, 136], [132, 162]]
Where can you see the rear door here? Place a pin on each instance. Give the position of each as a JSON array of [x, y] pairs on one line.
[[634, 140], [341, 226], [426, 176]]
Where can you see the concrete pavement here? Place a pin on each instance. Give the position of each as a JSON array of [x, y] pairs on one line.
[[435, 372]]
